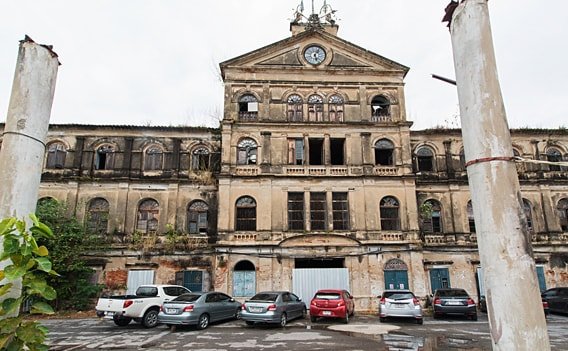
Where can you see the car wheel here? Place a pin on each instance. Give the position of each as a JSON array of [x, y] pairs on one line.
[[352, 312], [346, 319], [313, 319], [283, 320], [420, 321], [203, 321], [304, 313], [237, 314], [171, 327], [249, 322], [150, 319], [121, 321], [382, 319]]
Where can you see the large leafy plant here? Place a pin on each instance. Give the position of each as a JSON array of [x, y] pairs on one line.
[[28, 262]]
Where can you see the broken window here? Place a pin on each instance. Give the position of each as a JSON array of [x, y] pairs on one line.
[[318, 211], [295, 151], [380, 108], [316, 152], [553, 155], [315, 108], [56, 154], [470, 218], [148, 214], [384, 152], [97, 216], [154, 158], [248, 107], [294, 109], [200, 159], [197, 217], [425, 159], [432, 220], [245, 213], [528, 214], [340, 208], [246, 152], [104, 158], [389, 208], [335, 105], [337, 151], [562, 209], [296, 211]]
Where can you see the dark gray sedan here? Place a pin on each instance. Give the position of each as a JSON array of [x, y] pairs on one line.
[[273, 307], [199, 308], [452, 301]]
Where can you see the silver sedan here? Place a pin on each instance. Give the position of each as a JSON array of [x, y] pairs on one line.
[[399, 303], [273, 307], [199, 308]]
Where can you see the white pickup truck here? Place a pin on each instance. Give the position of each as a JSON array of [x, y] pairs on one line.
[[142, 307]]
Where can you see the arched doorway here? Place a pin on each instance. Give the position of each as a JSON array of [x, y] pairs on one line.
[[244, 279], [396, 274]]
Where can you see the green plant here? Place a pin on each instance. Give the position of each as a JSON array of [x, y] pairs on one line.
[[30, 265]]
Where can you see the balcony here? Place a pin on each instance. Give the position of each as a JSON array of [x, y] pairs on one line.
[[381, 119]]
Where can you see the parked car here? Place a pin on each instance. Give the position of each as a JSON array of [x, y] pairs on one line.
[[400, 303], [143, 307], [273, 307], [453, 301], [557, 299], [199, 308], [332, 303], [483, 305]]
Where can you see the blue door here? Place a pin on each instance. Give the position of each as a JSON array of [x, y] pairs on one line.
[[396, 279], [244, 283], [193, 280], [541, 280], [439, 278]]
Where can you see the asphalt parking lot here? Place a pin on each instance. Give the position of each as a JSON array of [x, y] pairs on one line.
[[361, 334]]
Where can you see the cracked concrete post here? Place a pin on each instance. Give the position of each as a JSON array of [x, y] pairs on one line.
[[516, 316], [25, 132]]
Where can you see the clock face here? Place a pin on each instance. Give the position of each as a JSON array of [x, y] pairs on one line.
[[314, 54]]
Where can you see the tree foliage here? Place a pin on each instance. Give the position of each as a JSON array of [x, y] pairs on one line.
[[69, 245]]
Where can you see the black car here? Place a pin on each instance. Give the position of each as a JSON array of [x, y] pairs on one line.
[[453, 301], [557, 299]]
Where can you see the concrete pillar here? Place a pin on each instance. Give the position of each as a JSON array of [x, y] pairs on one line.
[[366, 148], [503, 238]]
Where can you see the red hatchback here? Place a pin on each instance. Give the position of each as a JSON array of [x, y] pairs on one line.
[[331, 303]]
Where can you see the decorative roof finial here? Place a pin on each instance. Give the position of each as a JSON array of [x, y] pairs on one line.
[[314, 20]]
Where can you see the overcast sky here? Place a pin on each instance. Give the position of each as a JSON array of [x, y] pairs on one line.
[[140, 62]]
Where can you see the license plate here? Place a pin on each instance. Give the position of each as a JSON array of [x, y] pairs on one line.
[[398, 306], [326, 313], [171, 310], [255, 309], [453, 303], [109, 313]]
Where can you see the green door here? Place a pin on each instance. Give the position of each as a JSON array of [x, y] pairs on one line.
[[439, 278], [396, 280]]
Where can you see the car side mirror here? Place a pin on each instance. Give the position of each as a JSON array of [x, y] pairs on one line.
[[232, 300]]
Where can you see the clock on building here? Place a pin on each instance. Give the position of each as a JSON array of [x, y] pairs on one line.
[[314, 54]]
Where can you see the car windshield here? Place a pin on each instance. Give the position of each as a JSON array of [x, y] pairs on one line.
[[398, 295], [265, 297], [327, 296], [452, 293], [187, 298]]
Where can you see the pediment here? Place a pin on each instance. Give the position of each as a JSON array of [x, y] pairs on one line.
[[319, 240]]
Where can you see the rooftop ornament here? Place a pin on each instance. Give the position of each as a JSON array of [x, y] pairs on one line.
[[315, 20]]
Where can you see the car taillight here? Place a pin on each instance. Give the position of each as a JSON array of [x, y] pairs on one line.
[[161, 308], [127, 303], [545, 304], [188, 308], [313, 303], [437, 301], [243, 307], [470, 301], [382, 300], [271, 307], [341, 303], [416, 301]]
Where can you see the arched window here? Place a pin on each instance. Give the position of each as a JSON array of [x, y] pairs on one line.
[[197, 217], [97, 216], [244, 279], [470, 219], [200, 159], [294, 110], [248, 107], [380, 108], [335, 104], [246, 152], [104, 158], [154, 158], [425, 159], [148, 214], [245, 213], [562, 209], [315, 108], [431, 214], [390, 219], [56, 154], [384, 152], [528, 214], [553, 155]]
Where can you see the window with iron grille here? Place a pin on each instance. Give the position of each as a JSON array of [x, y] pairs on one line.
[[335, 105], [315, 108], [389, 208], [56, 154], [97, 216], [154, 158], [197, 217], [245, 213], [148, 214], [340, 208], [318, 211], [200, 159], [294, 110], [296, 211]]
